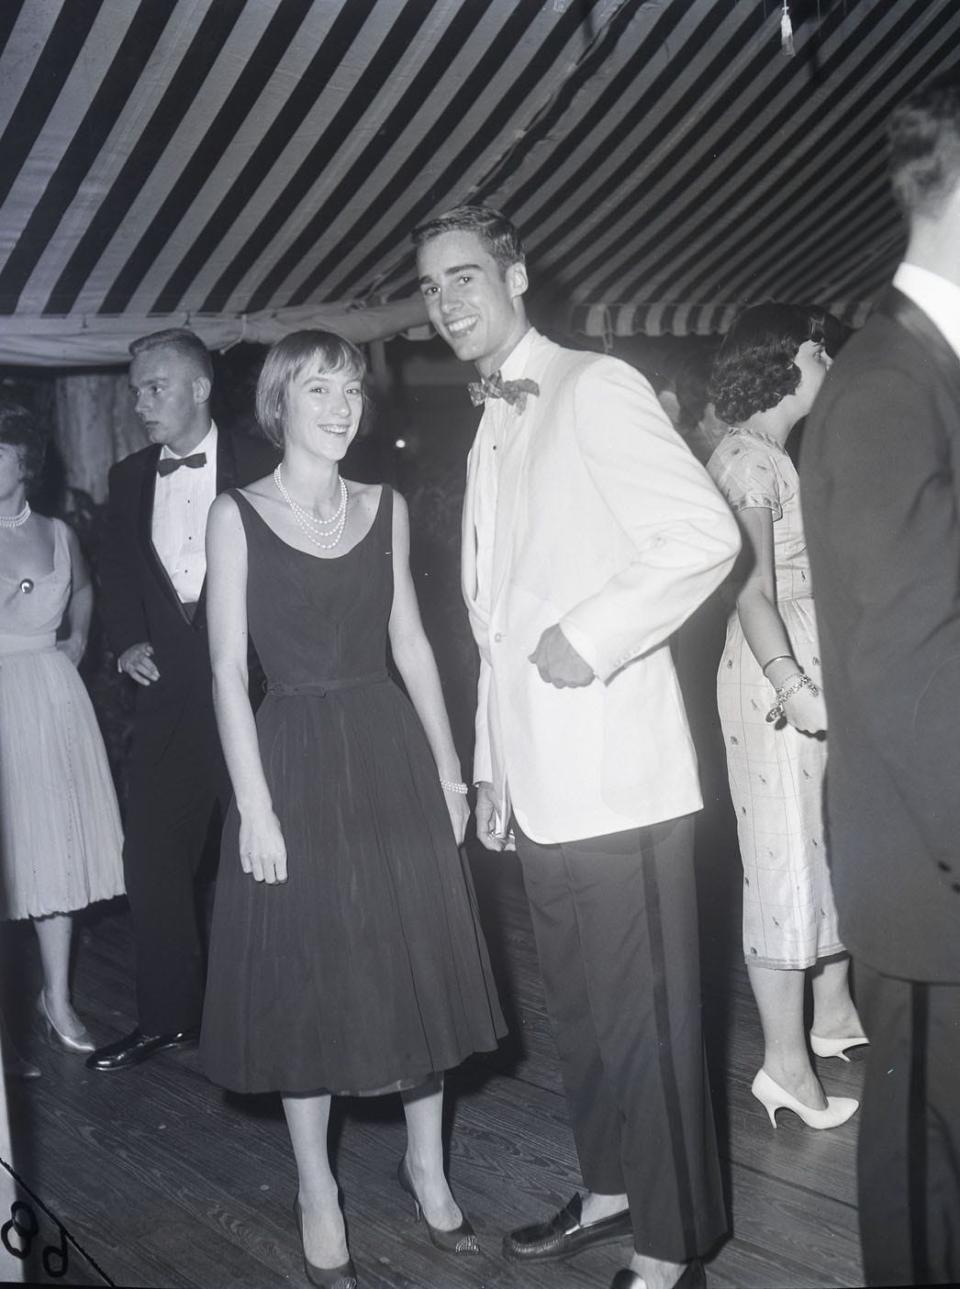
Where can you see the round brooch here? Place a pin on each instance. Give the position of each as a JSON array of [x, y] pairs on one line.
[[26, 585]]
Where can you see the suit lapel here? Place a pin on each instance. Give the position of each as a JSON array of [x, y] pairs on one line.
[[226, 463], [227, 476], [902, 310], [511, 509], [513, 494], [468, 534]]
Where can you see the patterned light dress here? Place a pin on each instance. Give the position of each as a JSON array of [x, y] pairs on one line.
[[776, 773]]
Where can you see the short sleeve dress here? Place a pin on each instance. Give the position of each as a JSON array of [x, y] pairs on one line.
[[366, 971], [60, 836], [776, 772]]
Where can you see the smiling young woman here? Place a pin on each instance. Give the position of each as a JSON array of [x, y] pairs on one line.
[[345, 954]]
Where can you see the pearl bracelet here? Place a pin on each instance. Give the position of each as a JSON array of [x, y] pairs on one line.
[[449, 786], [787, 691]]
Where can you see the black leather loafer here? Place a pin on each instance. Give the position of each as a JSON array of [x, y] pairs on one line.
[[137, 1047], [565, 1234], [693, 1277]]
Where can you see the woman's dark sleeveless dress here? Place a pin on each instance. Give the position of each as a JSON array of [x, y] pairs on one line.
[[366, 970]]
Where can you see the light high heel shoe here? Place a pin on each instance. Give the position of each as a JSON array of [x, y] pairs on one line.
[[835, 1046], [773, 1098], [82, 1043]]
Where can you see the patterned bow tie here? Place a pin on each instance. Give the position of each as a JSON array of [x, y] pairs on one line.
[[167, 465], [513, 392]]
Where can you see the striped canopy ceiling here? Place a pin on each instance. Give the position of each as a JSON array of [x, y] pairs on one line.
[[252, 165]]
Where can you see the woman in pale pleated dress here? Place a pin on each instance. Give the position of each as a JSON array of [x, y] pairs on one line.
[[60, 836], [767, 373]]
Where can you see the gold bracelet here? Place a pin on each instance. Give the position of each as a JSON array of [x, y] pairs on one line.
[[780, 657]]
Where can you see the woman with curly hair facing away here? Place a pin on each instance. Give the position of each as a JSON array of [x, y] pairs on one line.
[[765, 377]]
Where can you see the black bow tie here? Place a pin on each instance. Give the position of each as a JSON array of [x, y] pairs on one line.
[[167, 465], [513, 392]]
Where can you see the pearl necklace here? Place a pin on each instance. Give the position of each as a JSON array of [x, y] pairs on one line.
[[14, 521], [318, 530]]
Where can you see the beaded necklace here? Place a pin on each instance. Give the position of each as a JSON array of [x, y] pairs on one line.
[[14, 521], [316, 529]]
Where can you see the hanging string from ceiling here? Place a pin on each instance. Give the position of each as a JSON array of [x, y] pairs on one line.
[[786, 31]]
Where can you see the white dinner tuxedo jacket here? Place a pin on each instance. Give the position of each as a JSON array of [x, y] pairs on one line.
[[586, 510]]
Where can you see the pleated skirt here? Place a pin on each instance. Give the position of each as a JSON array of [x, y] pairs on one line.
[[366, 971], [60, 835]]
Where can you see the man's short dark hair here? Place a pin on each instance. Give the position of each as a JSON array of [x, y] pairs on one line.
[[923, 136], [495, 231], [182, 341]]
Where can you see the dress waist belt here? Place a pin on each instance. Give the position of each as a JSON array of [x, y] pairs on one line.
[[11, 643], [322, 687]]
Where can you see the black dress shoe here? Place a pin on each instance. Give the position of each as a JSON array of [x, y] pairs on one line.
[[564, 1234], [342, 1277], [693, 1277], [138, 1047], [462, 1239]]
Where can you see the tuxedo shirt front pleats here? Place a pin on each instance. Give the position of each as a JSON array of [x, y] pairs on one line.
[[181, 503]]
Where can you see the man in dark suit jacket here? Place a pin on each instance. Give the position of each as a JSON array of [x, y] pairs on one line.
[[881, 499], [153, 567]]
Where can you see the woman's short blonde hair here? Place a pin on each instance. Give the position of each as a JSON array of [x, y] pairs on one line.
[[286, 360]]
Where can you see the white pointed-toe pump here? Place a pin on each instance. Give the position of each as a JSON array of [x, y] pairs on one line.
[[835, 1046], [773, 1098]]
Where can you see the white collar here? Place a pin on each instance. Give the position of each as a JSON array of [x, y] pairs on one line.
[[515, 362], [207, 444], [938, 298]]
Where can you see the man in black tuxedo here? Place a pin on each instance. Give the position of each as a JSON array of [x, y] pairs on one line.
[[153, 566], [881, 492]]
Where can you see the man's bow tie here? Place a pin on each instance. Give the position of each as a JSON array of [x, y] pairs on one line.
[[513, 392], [167, 465]]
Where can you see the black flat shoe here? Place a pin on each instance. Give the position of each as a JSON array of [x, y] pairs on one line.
[[693, 1277], [564, 1234], [342, 1277], [462, 1239], [137, 1047]]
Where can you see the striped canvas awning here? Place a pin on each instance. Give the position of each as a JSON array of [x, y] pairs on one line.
[[254, 165]]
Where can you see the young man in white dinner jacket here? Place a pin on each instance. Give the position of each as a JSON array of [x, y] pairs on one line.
[[590, 533]]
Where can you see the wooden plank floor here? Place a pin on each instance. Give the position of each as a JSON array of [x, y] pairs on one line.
[[163, 1180]]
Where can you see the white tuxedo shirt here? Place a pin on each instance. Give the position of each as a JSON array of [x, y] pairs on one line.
[[181, 503], [586, 510]]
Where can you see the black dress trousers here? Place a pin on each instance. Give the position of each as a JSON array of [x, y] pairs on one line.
[[178, 792], [908, 1163], [615, 920]]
